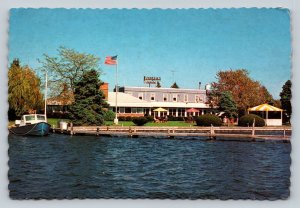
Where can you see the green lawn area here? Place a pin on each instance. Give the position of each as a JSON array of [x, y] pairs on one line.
[[169, 123], [53, 121]]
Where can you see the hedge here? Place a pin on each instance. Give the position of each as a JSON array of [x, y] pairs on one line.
[[140, 121], [208, 120], [247, 120]]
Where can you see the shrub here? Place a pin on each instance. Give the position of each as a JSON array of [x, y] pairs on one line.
[[208, 120], [128, 118], [140, 121], [247, 120], [122, 118], [109, 115], [149, 118]]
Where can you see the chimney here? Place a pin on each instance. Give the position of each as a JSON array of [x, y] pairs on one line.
[[104, 88]]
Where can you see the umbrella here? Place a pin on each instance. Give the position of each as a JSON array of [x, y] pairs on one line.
[[192, 110], [160, 110]]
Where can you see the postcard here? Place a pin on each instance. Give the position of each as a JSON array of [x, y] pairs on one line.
[[149, 103]]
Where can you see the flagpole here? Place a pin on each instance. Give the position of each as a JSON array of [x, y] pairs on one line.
[[116, 118], [46, 86]]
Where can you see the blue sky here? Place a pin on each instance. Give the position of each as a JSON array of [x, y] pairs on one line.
[[194, 43]]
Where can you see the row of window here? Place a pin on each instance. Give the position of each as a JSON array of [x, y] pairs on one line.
[[173, 97], [172, 111]]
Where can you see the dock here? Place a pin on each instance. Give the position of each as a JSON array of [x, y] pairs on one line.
[[257, 134]]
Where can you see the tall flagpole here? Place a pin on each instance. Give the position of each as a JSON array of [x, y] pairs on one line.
[[46, 86], [116, 121]]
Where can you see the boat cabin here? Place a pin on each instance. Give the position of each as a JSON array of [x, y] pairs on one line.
[[31, 119]]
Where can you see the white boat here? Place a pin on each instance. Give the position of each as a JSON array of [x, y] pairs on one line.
[[31, 124]]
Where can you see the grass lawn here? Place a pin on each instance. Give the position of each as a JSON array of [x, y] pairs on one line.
[[169, 123]]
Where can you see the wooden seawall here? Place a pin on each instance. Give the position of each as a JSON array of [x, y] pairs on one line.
[[202, 133]]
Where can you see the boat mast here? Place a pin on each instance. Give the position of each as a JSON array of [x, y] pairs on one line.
[[46, 83]]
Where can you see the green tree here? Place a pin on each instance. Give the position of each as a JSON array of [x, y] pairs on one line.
[[67, 68], [174, 85], [286, 96], [245, 91], [24, 93], [89, 104], [227, 104]]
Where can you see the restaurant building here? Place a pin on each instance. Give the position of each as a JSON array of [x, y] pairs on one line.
[[140, 101], [176, 102]]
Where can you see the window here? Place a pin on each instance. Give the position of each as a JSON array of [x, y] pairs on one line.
[[152, 98], [174, 98], [165, 96], [186, 98], [30, 118], [181, 112], [40, 117], [140, 110], [198, 99], [121, 110], [141, 96], [172, 111]]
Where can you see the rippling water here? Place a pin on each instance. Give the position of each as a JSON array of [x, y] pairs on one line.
[[61, 166]]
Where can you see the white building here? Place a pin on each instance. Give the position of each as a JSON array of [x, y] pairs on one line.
[[139, 101]]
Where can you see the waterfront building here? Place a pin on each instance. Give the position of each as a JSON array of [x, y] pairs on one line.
[[139, 101]]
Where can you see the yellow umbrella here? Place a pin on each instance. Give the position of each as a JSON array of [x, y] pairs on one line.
[[160, 110]]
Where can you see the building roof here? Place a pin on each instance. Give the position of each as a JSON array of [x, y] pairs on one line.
[[264, 107], [127, 100], [163, 89]]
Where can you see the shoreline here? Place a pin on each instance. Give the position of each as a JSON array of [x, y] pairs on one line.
[[223, 133]]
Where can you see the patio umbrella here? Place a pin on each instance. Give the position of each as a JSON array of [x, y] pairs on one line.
[[192, 110], [160, 110]]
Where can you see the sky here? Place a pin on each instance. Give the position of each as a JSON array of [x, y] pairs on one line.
[[183, 45]]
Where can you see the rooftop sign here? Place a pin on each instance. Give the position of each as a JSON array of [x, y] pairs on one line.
[[151, 80]]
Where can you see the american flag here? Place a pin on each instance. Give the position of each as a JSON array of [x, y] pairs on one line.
[[111, 60]]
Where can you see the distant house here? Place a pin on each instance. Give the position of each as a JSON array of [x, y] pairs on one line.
[[60, 103]]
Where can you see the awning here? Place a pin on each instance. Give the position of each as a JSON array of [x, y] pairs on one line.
[[264, 107]]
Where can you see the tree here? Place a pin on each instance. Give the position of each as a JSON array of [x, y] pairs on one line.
[[174, 85], [245, 91], [227, 104], [89, 104], [286, 96], [24, 93], [67, 68]]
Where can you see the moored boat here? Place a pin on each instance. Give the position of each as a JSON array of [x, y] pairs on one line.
[[31, 124]]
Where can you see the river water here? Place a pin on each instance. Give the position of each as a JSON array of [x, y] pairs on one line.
[[61, 166]]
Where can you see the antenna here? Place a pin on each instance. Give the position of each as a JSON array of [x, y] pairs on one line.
[[173, 72]]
